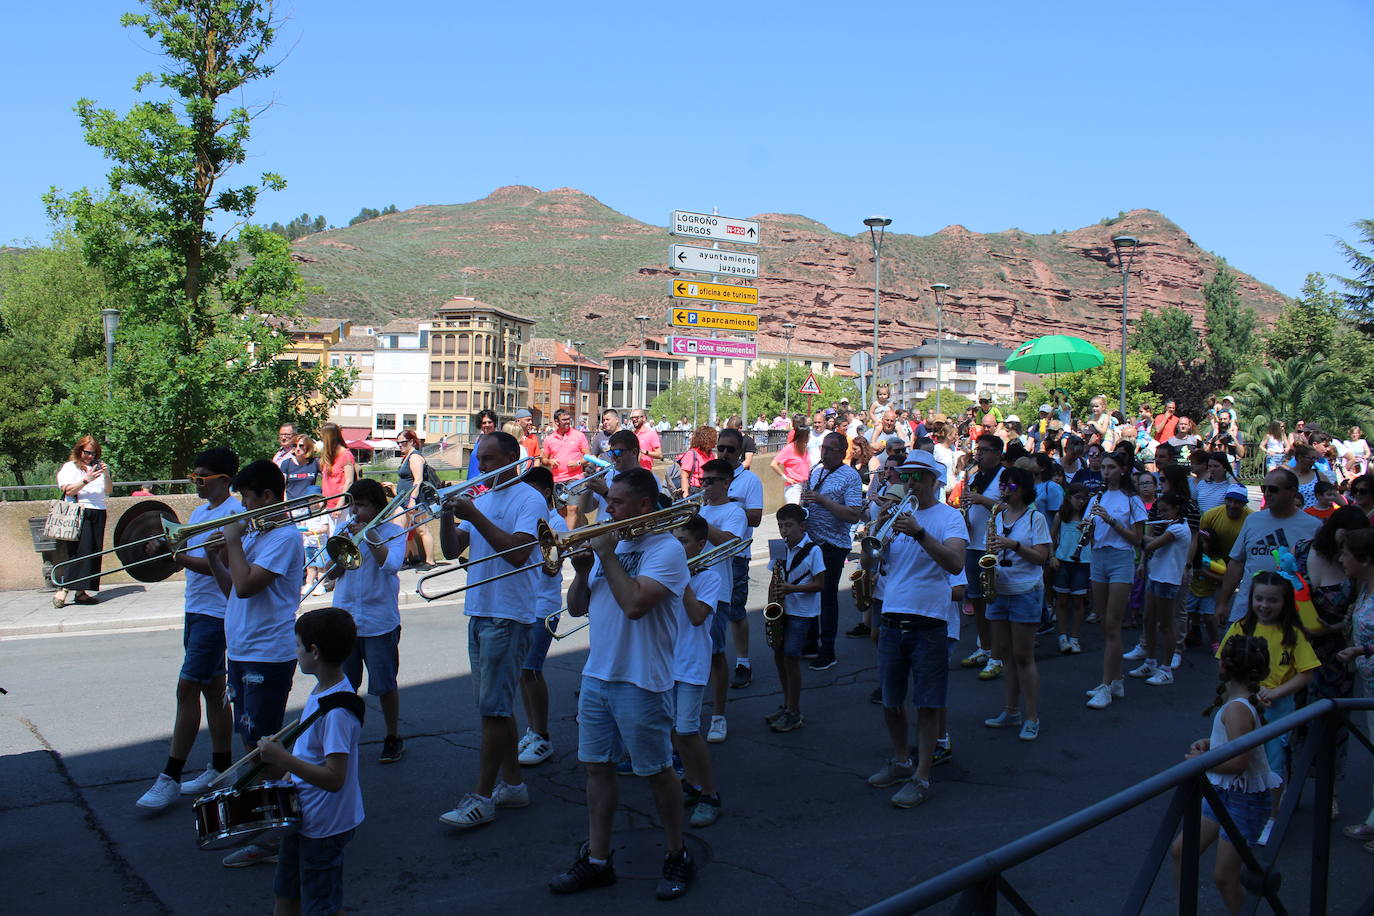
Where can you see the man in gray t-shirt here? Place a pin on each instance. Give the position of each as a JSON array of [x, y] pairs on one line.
[[1280, 524]]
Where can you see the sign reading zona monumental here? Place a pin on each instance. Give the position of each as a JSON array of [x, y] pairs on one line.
[[713, 321], [713, 346], [713, 261], [715, 228], [713, 292]]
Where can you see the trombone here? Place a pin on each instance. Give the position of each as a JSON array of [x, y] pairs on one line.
[[429, 503], [177, 535], [346, 553], [554, 547]]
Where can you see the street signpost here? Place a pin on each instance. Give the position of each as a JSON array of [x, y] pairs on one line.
[[712, 227], [713, 346], [682, 288], [859, 364], [713, 321], [810, 389], [716, 261]]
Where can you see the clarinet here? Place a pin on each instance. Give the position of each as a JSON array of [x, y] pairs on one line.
[[1086, 534]]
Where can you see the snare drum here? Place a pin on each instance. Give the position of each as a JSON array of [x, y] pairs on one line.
[[235, 817]]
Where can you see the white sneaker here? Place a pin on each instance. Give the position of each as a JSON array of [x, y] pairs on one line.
[[1176, 661], [507, 796], [201, 784], [1074, 647], [525, 739], [718, 730], [472, 811], [1118, 689], [164, 792], [535, 752], [1162, 678], [1101, 697], [1065, 647], [1147, 669], [1136, 654], [1093, 690]]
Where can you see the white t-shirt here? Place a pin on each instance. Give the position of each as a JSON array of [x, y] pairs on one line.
[[638, 652], [955, 612], [1022, 575], [800, 565], [324, 814], [813, 446], [203, 595], [1260, 535], [692, 653], [728, 517], [1166, 563], [747, 490], [1121, 506], [978, 515], [918, 584], [371, 593], [263, 628], [945, 455], [515, 509], [548, 598], [92, 495]]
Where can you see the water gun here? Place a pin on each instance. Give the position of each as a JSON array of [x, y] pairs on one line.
[[1307, 611], [1215, 564], [591, 459]]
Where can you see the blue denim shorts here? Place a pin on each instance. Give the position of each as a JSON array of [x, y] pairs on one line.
[[1163, 590], [794, 635], [1022, 608], [1276, 749], [259, 691], [616, 714], [496, 647], [1071, 578], [1248, 809], [382, 656], [1205, 605], [1113, 565], [718, 627], [540, 643], [739, 590], [311, 871], [974, 574], [202, 638], [687, 707], [919, 655]]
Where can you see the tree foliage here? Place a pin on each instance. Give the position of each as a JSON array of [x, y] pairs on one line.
[[1359, 287], [1084, 385], [203, 291], [367, 213], [767, 385], [1301, 387], [1230, 340], [301, 226]]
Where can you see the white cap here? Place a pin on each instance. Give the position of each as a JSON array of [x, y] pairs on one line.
[[1012, 419]]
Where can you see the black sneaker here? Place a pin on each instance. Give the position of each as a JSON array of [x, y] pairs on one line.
[[859, 632], [943, 754], [810, 651], [583, 874], [822, 662], [744, 676], [393, 749], [690, 795], [677, 876], [876, 697], [1047, 625]]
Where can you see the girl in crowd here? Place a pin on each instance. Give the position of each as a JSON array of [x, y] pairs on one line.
[[1118, 521], [1356, 454], [1275, 445], [1305, 459], [1070, 566], [302, 469], [1357, 558], [338, 470], [87, 481], [700, 450], [792, 463], [409, 476]]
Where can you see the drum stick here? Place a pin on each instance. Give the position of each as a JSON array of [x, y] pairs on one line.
[[227, 777]]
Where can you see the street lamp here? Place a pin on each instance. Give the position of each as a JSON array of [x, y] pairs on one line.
[[643, 366], [939, 342], [1126, 246], [879, 223], [577, 374], [110, 318], [787, 329]]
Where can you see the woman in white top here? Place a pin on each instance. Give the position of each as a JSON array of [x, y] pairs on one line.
[[1356, 454], [1276, 444], [85, 480], [1118, 526]]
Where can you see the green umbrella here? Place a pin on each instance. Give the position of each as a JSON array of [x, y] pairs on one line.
[[1054, 354]]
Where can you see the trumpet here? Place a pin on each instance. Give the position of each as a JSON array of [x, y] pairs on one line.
[[555, 547], [872, 546]]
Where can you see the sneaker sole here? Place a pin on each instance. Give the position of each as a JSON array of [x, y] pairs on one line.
[[911, 804], [716, 739], [153, 809], [260, 860], [513, 804], [465, 825]]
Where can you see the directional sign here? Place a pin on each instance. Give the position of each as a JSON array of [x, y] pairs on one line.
[[713, 261], [713, 346], [716, 228], [713, 321], [809, 386], [713, 292]]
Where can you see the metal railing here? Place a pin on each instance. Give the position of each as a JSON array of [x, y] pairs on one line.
[[51, 491], [981, 881]]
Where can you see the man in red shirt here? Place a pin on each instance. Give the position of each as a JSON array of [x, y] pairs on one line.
[[650, 446], [564, 450], [528, 440], [1166, 423]]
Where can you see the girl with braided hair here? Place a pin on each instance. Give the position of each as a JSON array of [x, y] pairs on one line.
[[1244, 782]]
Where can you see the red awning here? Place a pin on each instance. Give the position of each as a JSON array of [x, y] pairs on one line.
[[360, 445], [355, 432]]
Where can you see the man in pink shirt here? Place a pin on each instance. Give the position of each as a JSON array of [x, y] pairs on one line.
[[564, 449], [650, 446]]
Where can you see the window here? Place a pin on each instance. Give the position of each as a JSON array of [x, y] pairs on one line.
[[1002, 369], [964, 387], [966, 365], [448, 371], [333, 360], [460, 400], [433, 425], [365, 385], [462, 375], [424, 339], [463, 345], [436, 345], [409, 420], [434, 370], [566, 374], [386, 422], [729, 362], [446, 400], [565, 398], [434, 400]]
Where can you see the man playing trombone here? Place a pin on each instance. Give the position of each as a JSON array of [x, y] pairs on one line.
[[622, 450], [502, 616]]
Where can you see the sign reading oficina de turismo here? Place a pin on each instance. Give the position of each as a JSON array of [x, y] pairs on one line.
[[713, 292], [715, 228]]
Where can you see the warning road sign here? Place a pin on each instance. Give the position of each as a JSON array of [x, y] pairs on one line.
[[809, 386]]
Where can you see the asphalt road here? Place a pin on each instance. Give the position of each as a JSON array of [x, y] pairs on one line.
[[84, 729]]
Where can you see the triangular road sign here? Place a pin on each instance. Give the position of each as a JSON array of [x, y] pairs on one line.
[[809, 386]]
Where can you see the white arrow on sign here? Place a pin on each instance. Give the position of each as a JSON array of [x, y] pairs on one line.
[[716, 228], [713, 261]]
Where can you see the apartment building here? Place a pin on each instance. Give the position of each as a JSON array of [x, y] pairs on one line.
[[968, 368], [562, 376], [477, 359]]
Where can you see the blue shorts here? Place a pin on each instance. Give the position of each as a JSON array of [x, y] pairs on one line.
[[311, 871], [1248, 809], [1022, 608], [922, 656], [794, 635], [1163, 590], [540, 643], [616, 714], [1276, 749], [1113, 565], [739, 589], [496, 647], [1071, 578], [259, 691], [1205, 605], [718, 627], [973, 591], [687, 707], [382, 656], [202, 638]]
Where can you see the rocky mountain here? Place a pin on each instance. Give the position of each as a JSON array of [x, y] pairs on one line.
[[584, 270]]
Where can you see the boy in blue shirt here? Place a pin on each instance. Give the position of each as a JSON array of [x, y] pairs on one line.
[[803, 567]]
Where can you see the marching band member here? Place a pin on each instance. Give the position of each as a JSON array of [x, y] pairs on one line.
[[536, 745], [691, 671], [502, 617], [915, 626], [747, 490], [727, 519], [833, 498], [982, 488], [799, 575], [633, 591], [622, 450]]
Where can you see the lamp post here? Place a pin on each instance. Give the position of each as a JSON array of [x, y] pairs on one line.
[[110, 319], [787, 330], [643, 393], [877, 228], [1125, 254], [939, 288], [577, 373]]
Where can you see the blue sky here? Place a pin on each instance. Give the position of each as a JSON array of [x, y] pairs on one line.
[[1245, 123]]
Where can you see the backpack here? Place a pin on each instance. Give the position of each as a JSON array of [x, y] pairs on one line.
[[431, 476]]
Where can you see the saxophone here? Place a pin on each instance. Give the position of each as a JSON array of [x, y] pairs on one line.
[[774, 623], [862, 588], [987, 563]]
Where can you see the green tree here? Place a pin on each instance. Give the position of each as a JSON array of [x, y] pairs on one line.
[[690, 397], [952, 403], [1359, 288], [1310, 324], [1303, 387], [1230, 340], [1105, 380], [768, 383], [1167, 337], [197, 356]]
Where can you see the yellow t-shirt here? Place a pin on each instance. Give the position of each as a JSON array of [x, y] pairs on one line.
[[1224, 530], [1285, 662]]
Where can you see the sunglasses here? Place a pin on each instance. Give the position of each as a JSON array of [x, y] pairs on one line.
[[1010, 486], [86, 451], [205, 478], [615, 452], [727, 448], [914, 476]]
